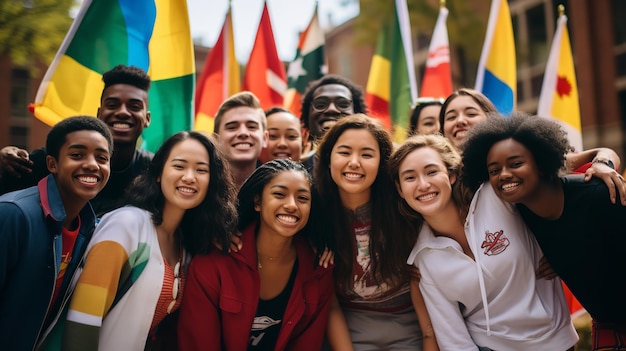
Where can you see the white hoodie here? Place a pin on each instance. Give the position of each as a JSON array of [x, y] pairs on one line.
[[495, 301]]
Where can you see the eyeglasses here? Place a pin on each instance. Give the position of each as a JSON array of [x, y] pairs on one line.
[[321, 104], [175, 287]]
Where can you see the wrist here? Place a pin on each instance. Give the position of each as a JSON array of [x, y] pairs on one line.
[[604, 160]]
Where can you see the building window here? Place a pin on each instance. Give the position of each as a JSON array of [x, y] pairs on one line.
[[537, 38], [19, 137], [19, 93]]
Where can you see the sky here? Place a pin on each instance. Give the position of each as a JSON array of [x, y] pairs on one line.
[[288, 17]]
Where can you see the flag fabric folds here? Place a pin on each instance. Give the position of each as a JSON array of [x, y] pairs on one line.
[[309, 65], [391, 86], [497, 70], [265, 74], [559, 92], [219, 80], [151, 34], [437, 80]]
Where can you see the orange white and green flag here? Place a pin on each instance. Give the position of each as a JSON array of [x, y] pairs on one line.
[[391, 86], [150, 34], [559, 92], [220, 78]]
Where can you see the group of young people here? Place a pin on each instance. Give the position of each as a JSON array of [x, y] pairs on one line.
[[224, 241]]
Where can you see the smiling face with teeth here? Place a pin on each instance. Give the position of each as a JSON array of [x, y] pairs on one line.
[[124, 108], [285, 137], [185, 176], [354, 164], [285, 204], [513, 172], [425, 183], [242, 134], [82, 168]]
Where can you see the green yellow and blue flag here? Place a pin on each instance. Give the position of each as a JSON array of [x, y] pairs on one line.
[[150, 34], [497, 70]]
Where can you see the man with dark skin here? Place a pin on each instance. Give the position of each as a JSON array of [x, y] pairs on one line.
[[124, 109], [324, 102]]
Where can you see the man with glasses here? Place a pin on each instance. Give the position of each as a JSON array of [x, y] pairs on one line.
[[324, 102]]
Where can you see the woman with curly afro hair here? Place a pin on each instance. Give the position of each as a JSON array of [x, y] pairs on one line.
[[578, 227]]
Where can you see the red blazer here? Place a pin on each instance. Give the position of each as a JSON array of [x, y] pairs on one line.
[[222, 294]]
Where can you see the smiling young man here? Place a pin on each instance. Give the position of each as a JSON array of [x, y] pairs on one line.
[[46, 229], [241, 130], [124, 109]]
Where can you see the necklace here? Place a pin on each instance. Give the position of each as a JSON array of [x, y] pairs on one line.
[[288, 255], [269, 258]]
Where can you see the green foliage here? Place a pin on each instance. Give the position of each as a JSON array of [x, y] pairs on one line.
[[467, 21], [30, 34]]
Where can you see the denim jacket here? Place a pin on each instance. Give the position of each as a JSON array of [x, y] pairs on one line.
[[31, 223]]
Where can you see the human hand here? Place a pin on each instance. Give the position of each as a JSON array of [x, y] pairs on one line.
[[613, 180], [545, 270], [415, 274], [14, 161], [327, 258], [235, 243]]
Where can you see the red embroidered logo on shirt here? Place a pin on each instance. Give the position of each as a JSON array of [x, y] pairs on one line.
[[495, 243]]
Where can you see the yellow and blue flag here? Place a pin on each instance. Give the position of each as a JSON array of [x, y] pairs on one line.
[[497, 70], [150, 34]]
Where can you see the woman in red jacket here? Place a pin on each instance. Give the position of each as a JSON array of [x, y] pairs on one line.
[[271, 294]]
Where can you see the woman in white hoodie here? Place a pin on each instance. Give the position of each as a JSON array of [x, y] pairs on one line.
[[477, 261]]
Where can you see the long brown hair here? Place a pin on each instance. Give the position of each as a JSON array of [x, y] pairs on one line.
[[390, 236]]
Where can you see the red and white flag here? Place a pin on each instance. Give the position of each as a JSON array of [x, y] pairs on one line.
[[437, 80], [265, 74]]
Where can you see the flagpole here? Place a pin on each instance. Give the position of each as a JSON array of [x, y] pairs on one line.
[[561, 10]]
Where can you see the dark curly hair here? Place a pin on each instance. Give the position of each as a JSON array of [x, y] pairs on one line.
[[358, 101], [545, 140], [214, 220], [461, 195], [57, 136], [131, 75], [391, 239]]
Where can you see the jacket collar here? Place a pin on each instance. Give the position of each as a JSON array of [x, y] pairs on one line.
[[50, 199], [52, 205]]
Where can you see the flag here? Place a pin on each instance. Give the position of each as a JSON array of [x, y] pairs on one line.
[[265, 74], [437, 80], [150, 34], [559, 92], [219, 80], [309, 65], [497, 71], [391, 87]]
